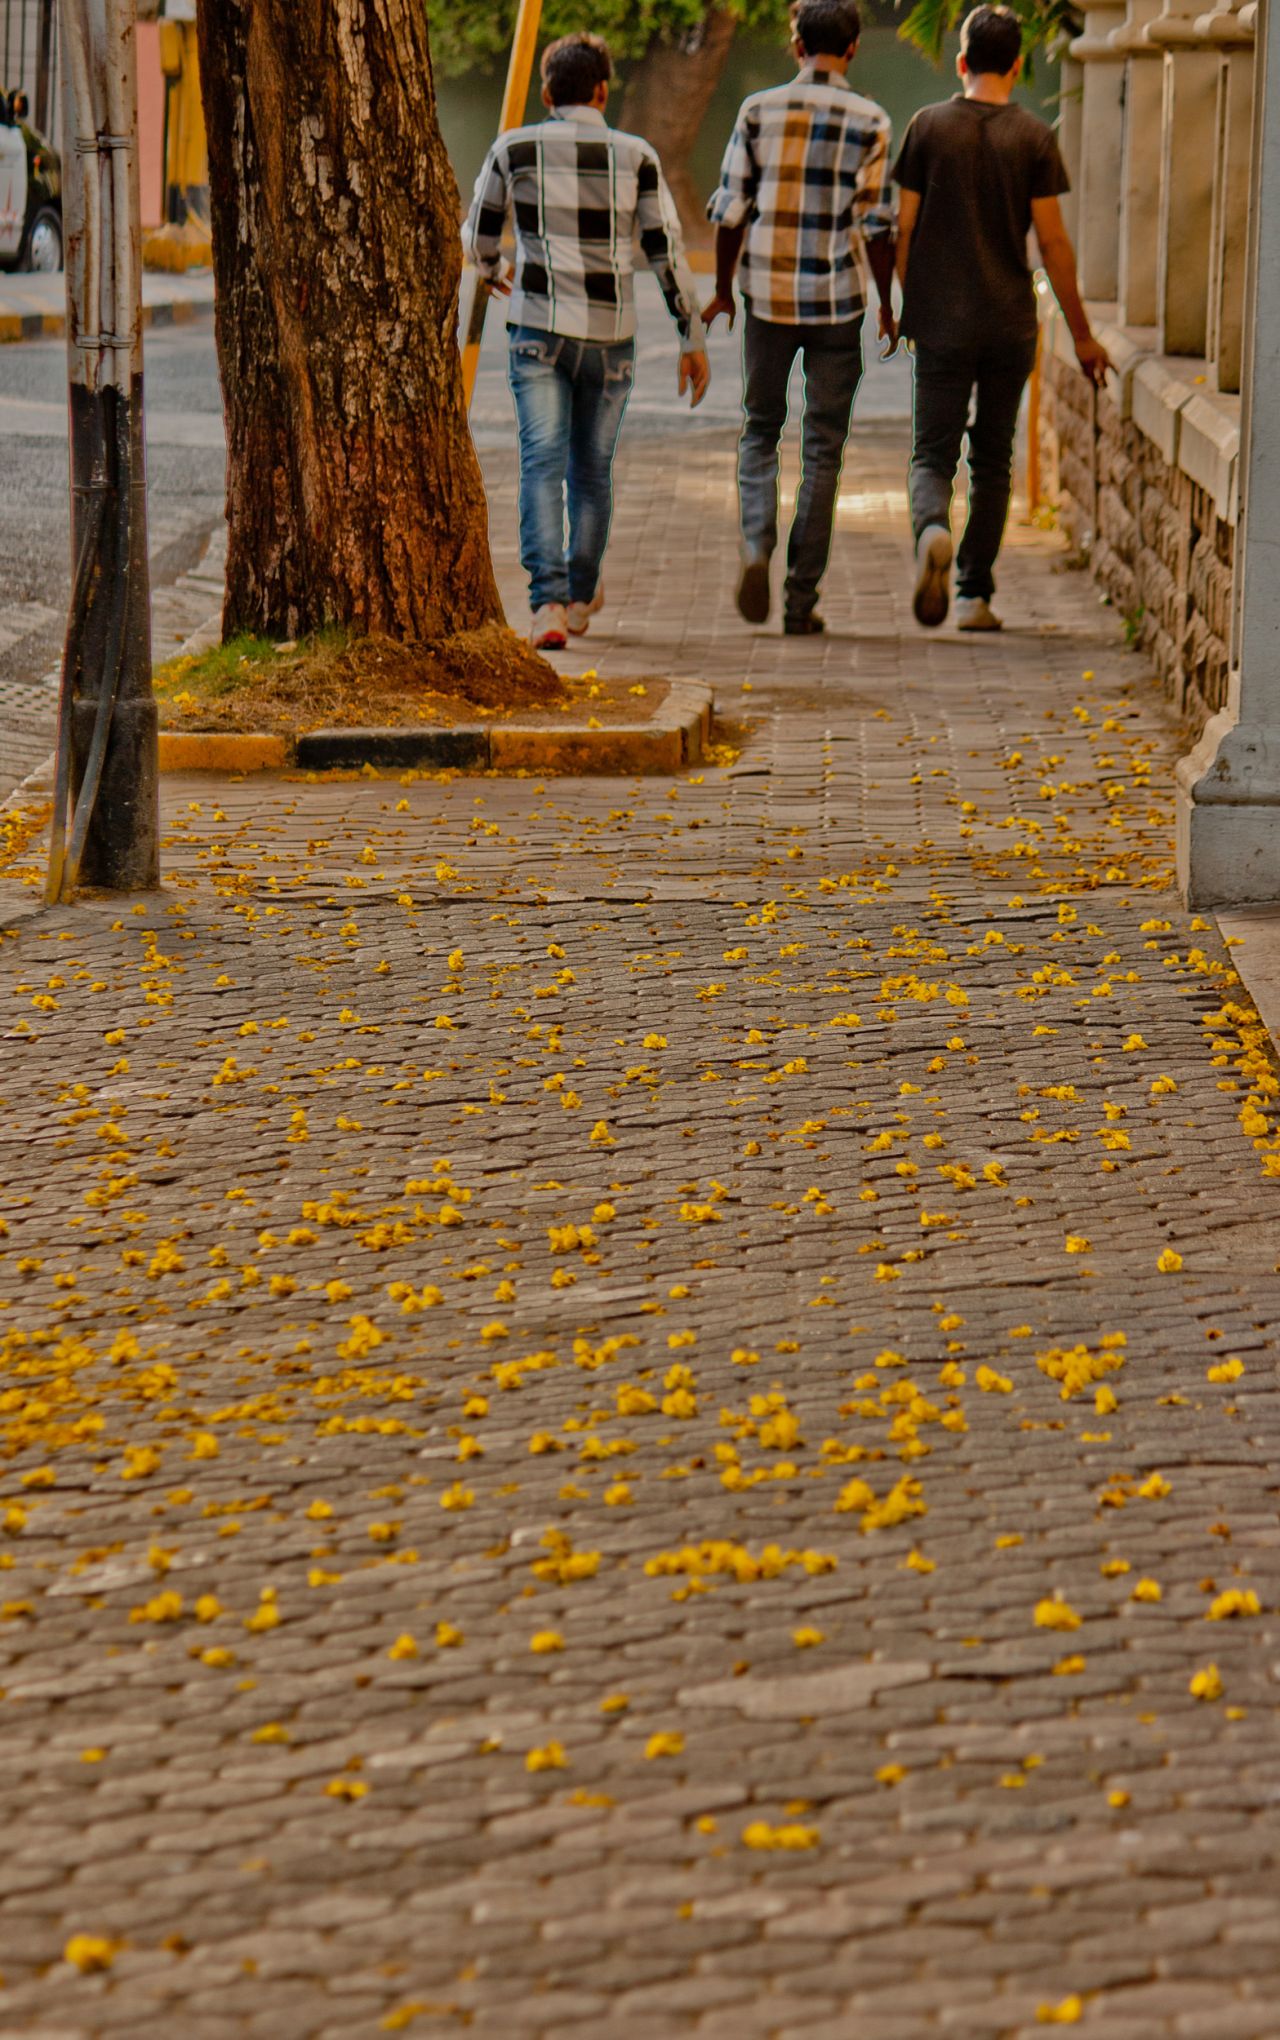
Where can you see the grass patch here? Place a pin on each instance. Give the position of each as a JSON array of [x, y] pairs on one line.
[[335, 679]]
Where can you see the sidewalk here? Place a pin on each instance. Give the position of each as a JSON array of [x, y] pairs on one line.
[[35, 307], [627, 1400]]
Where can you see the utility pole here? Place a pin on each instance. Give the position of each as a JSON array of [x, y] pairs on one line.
[[524, 45], [105, 821]]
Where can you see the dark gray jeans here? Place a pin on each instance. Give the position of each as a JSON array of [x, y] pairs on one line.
[[832, 361], [946, 380]]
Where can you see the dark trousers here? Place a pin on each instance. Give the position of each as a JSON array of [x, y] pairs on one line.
[[832, 360], [946, 380]]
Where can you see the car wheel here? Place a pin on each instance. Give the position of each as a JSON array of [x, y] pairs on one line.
[[43, 252]]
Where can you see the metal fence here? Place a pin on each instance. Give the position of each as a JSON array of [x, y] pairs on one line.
[[29, 59]]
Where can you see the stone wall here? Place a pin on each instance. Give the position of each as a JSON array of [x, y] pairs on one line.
[[1152, 534]]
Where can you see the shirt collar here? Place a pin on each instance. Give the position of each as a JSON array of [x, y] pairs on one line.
[[591, 114], [818, 73]]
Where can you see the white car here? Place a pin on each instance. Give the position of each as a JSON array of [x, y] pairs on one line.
[[30, 192]]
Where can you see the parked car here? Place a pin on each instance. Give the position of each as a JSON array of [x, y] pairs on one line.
[[30, 192]]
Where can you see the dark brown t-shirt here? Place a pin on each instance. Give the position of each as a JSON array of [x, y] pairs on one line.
[[977, 168]]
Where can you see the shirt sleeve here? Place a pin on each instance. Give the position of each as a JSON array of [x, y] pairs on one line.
[[487, 219], [873, 200], [734, 198], [661, 244], [1049, 177], [910, 170]]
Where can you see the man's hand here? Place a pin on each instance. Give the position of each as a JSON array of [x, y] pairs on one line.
[[499, 286], [723, 301], [1093, 359], [888, 331], [695, 375]]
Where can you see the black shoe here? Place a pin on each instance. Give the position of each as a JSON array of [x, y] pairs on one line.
[[753, 589], [803, 626]]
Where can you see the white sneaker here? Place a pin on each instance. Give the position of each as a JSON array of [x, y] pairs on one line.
[[933, 565], [550, 631], [974, 612], [579, 614]]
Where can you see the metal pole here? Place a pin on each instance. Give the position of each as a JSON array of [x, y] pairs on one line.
[[107, 765], [524, 44], [44, 67]]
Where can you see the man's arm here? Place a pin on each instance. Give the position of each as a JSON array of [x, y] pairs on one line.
[[908, 214], [658, 224], [486, 222], [874, 215], [730, 209], [1058, 257]]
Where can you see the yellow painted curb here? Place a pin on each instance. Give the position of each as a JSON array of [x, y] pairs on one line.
[[221, 751], [552, 748]]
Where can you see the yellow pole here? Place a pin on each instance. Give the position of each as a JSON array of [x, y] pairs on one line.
[[1033, 428], [524, 44]]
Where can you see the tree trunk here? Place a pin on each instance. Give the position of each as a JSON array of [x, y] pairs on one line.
[[353, 491], [666, 101]]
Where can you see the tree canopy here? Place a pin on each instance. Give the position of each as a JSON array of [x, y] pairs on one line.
[[463, 36]]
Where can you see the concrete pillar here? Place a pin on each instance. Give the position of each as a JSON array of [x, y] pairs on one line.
[[1188, 120], [1230, 30], [1070, 106], [1097, 214], [1228, 841], [1140, 164]]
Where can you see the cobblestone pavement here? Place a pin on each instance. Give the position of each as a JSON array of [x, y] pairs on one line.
[[651, 1406]]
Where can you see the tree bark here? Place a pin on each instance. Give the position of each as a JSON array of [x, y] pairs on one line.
[[353, 491], [666, 101]]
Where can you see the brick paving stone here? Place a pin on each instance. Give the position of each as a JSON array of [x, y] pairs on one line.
[[301, 1317]]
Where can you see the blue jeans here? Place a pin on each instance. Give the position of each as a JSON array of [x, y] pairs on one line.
[[570, 396], [832, 358], [945, 386]]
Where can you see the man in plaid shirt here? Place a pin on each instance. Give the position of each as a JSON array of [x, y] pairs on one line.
[[803, 198], [580, 194]]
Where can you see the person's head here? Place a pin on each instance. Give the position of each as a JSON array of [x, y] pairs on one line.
[[576, 71], [990, 44], [825, 31]]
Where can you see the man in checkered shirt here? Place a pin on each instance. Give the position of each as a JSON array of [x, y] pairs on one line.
[[581, 194], [803, 198]]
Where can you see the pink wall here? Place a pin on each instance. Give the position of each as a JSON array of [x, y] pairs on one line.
[[151, 123]]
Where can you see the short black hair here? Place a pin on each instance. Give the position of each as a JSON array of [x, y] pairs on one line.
[[574, 66], [991, 40], [826, 28]]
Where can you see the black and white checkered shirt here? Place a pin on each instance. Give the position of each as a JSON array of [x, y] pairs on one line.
[[581, 194], [807, 165]]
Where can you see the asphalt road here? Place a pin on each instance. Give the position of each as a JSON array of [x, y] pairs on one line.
[[185, 494]]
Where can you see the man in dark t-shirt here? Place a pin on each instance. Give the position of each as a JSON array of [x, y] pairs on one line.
[[975, 174]]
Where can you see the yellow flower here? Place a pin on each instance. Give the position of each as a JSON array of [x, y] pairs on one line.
[[346, 1788], [1147, 1590], [87, 1952], [1078, 1244], [890, 1774], [448, 1636], [1067, 1667], [549, 1758], [545, 1641], [1206, 1684], [992, 1383], [615, 1703], [1225, 1370], [1066, 2013], [1233, 1602], [806, 1639], [1169, 1262], [403, 1647], [1056, 1614], [204, 1446], [664, 1743], [758, 1834]]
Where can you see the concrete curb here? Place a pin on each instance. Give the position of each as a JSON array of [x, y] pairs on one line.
[[16, 326], [674, 737]]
